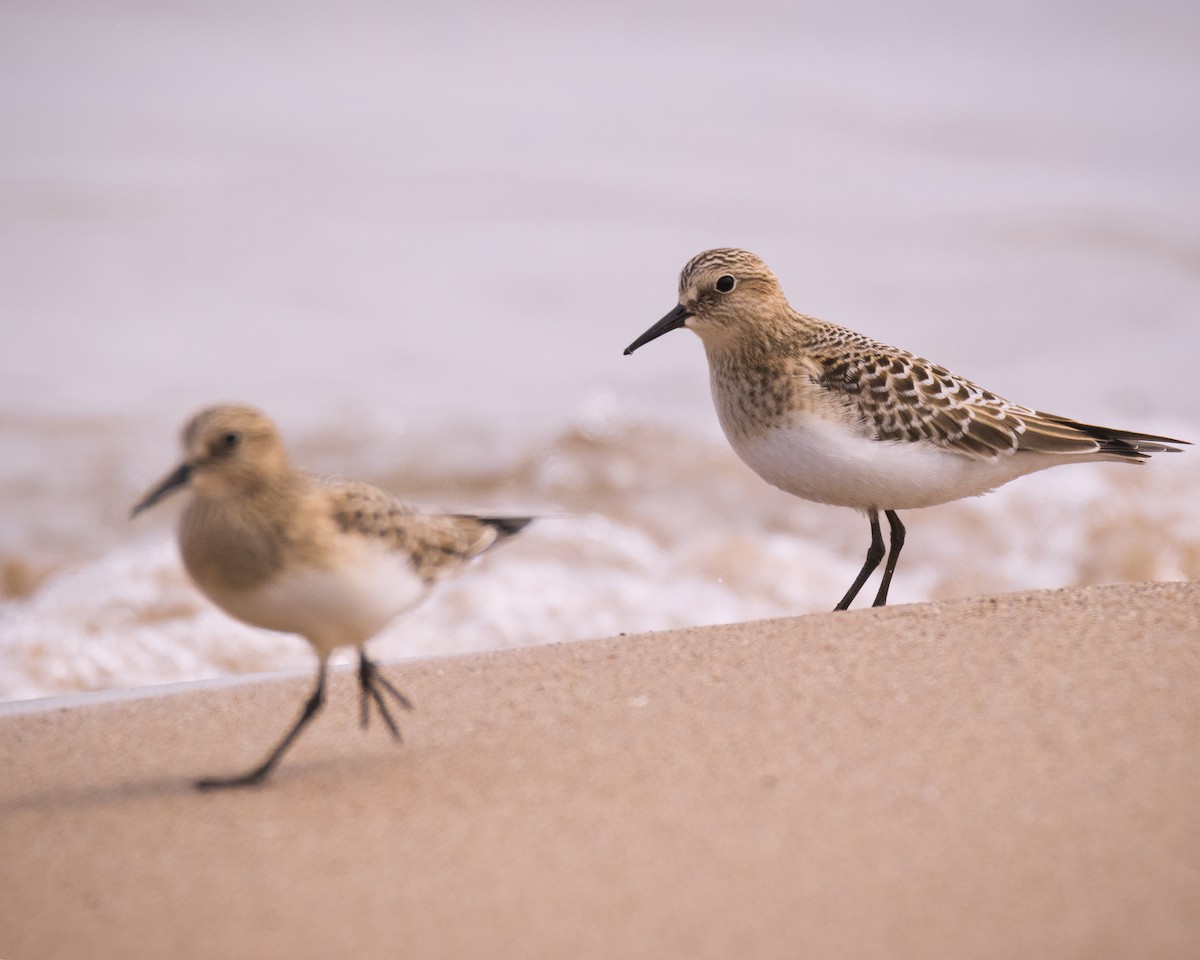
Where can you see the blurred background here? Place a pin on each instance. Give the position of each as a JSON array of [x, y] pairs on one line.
[[420, 235]]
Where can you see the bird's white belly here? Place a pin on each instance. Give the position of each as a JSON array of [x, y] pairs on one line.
[[345, 603], [828, 462]]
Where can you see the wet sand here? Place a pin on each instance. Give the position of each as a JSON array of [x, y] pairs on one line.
[[1005, 776]]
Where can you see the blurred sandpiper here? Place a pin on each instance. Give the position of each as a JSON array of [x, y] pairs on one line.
[[332, 560]]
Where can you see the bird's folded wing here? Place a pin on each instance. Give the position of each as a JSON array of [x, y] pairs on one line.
[[896, 396], [438, 544]]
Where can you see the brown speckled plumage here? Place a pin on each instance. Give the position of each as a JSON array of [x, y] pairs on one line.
[[897, 396]]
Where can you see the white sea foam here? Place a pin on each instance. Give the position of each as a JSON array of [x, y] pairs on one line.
[[648, 526]]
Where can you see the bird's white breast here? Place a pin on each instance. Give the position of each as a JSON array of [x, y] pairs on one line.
[[830, 462], [343, 602]]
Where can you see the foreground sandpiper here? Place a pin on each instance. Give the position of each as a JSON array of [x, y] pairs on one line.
[[334, 561], [835, 417]]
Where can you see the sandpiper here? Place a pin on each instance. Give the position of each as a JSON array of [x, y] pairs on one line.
[[835, 417], [332, 560]]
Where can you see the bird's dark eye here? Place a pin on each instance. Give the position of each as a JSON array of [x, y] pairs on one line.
[[726, 283], [231, 440]]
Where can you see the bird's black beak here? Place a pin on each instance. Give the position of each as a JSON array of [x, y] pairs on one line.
[[169, 484], [672, 321]]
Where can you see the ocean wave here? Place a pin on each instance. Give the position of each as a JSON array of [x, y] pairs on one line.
[[645, 526]]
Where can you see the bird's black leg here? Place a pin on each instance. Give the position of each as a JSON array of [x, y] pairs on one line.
[[364, 688], [259, 773], [370, 679], [897, 529], [874, 555]]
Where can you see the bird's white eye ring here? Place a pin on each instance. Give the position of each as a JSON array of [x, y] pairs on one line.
[[726, 283]]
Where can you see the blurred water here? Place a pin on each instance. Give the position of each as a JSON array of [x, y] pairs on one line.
[[421, 237]]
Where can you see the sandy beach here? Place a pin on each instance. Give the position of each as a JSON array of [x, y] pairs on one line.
[[1005, 776]]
